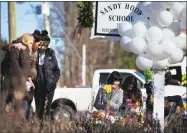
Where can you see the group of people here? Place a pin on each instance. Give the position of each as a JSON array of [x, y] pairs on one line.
[[120, 93], [30, 70], [128, 89]]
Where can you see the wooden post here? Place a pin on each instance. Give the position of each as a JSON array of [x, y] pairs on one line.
[[12, 20]]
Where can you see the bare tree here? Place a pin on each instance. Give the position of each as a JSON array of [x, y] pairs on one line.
[[100, 52]]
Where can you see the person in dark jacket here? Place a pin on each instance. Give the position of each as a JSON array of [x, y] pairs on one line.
[[29, 95], [148, 74], [48, 74], [131, 91], [168, 77]]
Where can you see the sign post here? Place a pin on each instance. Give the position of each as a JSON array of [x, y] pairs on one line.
[[159, 83]]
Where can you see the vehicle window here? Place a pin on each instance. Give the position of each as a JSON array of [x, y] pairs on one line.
[[103, 78], [140, 75], [178, 73]]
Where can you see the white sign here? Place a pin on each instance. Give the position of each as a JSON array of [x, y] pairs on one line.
[[108, 15]]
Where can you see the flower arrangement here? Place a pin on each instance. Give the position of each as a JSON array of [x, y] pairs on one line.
[[148, 75], [108, 91], [98, 115], [138, 104], [184, 80]]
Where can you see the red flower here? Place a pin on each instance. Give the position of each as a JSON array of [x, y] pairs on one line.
[[95, 114], [133, 106], [129, 101]]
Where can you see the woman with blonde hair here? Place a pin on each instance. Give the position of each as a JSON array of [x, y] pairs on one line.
[[18, 70]]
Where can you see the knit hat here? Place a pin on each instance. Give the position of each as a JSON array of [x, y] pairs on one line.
[[37, 35], [45, 35]]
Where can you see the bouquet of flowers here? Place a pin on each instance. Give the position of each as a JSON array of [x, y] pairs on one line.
[[108, 91], [133, 110]]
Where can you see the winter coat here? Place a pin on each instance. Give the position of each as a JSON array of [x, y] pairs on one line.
[[17, 67], [115, 101], [32, 60], [51, 70]]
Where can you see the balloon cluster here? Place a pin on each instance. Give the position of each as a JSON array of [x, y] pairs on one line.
[[155, 36]]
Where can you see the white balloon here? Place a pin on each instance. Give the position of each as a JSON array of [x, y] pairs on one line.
[[176, 57], [125, 43], [153, 50], [167, 4], [143, 62], [153, 22], [183, 13], [138, 45], [175, 27], [168, 47], [165, 18], [146, 9], [183, 23], [176, 10], [139, 30], [183, 35], [124, 29], [156, 7], [142, 19], [160, 64], [160, 57], [179, 42], [167, 34], [154, 34]]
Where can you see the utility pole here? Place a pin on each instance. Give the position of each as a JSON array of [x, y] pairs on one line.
[[12, 20], [46, 12]]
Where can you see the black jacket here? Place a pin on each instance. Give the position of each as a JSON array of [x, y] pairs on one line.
[[51, 69]]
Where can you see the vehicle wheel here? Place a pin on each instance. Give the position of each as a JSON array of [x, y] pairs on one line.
[[64, 113]]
